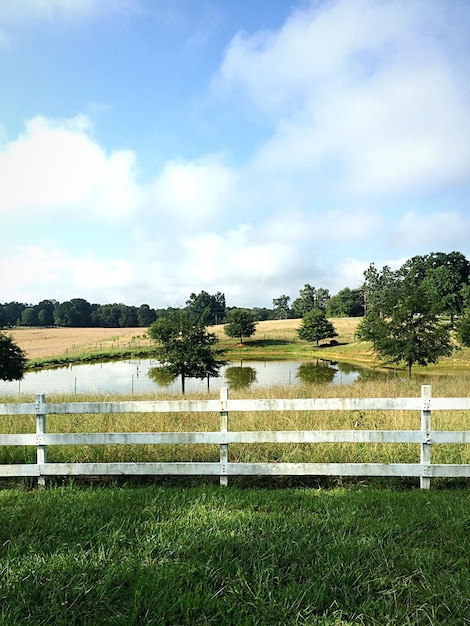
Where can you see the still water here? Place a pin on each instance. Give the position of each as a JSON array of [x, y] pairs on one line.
[[138, 377]]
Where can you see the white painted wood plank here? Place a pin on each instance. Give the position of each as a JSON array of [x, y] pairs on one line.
[[296, 404], [324, 469], [131, 469], [449, 471], [325, 404], [18, 440], [18, 409], [450, 436], [137, 406], [130, 438], [219, 438], [19, 470], [232, 469]]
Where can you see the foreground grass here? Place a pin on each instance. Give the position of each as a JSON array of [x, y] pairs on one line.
[[206, 555]]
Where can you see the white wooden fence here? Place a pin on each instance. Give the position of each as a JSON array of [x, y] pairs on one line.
[[424, 470]]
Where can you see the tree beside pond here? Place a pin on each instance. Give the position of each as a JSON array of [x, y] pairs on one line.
[[240, 323], [186, 348], [316, 327], [402, 322], [12, 359]]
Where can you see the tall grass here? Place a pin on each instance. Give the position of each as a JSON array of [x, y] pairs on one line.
[[260, 421], [203, 556]]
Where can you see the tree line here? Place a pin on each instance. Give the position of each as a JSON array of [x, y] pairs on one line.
[[80, 313]]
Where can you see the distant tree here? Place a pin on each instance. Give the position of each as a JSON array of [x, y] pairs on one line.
[[346, 303], [240, 324], [185, 348], [106, 316], [12, 359], [45, 311], [321, 298], [145, 315], [305, 302], [316, 327], [74, 313], [281, 307], [261, 314], [12, 313], [29, 317], [128, 316], [210, 307]]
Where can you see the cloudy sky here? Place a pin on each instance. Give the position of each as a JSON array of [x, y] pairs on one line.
[[154, 148]]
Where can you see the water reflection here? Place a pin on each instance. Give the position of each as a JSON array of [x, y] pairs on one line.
[[161, 376], [239, 377], [144, 376], [315, 373]]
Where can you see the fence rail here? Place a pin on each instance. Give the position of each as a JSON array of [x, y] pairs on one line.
[[424, 470]]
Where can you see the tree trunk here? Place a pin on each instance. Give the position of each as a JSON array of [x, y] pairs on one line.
[[182, 384]]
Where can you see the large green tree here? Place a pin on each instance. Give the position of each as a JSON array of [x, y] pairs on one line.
[[185, 347], [403, 324], [240, 323], [315, 327], [12, 359]]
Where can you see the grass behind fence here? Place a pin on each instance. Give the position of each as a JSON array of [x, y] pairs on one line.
[[202, 556], [258, 421]]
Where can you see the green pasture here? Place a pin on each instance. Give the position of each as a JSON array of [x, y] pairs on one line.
[[198, 555]]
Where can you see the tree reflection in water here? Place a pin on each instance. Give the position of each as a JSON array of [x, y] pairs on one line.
[[240, 377], [161, 376], [319, 372]]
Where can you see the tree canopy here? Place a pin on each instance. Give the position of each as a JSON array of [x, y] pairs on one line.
[[316, 327], [12, 359], [185, 348], [240, 323], [402, 320]]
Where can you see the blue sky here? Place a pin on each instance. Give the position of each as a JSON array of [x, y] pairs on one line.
[[154, 148]]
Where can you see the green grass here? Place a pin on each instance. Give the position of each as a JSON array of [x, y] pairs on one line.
[[176, 555]]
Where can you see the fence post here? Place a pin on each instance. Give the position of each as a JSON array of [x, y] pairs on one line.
[[41, 452], [425, 478], [223, 429]]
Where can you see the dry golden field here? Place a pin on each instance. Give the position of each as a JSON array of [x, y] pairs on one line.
[[39, 343]]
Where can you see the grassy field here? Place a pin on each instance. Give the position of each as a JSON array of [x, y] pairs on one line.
[[203, 555]]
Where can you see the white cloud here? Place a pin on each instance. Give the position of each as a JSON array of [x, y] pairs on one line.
[[191, 191], [436, 231], [56, 168], [32, 273], [368, 89]]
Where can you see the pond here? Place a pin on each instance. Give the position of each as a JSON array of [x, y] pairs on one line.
[[141, 376]]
